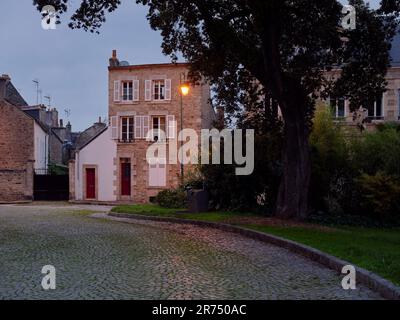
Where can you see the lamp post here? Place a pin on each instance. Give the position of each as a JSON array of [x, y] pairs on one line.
[[184, 91]]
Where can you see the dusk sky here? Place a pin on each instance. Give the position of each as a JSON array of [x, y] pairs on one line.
[[72, 64]]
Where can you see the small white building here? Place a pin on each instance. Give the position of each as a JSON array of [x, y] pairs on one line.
[[95, 167]]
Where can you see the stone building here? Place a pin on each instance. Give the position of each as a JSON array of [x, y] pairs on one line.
[[384, 108], [23, 145], [143, 100]]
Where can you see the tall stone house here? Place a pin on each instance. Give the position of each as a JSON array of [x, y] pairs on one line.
[[112, 167]]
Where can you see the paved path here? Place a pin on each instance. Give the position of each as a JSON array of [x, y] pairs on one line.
[[104, 259]]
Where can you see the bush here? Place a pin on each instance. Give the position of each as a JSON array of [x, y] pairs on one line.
[[380, 194], [174, 198], [331, 174], [378, 151]]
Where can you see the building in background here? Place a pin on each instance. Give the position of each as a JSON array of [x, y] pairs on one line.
[[113, 165], [24, 145]]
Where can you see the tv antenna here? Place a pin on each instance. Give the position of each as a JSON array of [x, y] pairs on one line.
[[48, 98], [67, 113], [36, 82]]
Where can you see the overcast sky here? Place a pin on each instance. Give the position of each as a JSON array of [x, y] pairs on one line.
[[72, 64]]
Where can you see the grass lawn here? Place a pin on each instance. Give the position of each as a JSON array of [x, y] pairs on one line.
[[377, 250]]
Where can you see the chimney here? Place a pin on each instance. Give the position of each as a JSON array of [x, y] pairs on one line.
[[99, 120], [61, 123], [5, 77], [113, 60], [69, 127]]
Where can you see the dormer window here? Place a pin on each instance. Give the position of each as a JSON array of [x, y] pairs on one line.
[[159, 90]]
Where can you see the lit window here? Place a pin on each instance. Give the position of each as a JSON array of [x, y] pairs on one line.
[[159, 90], [127, 128], [127, 91]]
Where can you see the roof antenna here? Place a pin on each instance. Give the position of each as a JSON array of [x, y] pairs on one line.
[[36, 82], [48, 98]]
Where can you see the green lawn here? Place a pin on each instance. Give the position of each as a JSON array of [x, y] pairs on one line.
[[377, 250]]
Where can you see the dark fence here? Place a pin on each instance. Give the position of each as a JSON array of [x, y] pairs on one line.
[[51, 187]]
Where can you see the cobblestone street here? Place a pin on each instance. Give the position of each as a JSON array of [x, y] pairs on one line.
[[103, 259]]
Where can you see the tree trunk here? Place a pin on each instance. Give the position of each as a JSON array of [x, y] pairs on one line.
[[292, 199]]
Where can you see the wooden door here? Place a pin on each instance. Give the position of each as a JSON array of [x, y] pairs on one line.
[[125, 179], [90, 183]]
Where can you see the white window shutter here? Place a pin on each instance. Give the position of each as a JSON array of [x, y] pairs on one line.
[[146, 125], [138, 127], [153, 181], [147, 94], [117, 92], [167, 89], [162, 174], [114, 127], [171, 127], [136, 85]]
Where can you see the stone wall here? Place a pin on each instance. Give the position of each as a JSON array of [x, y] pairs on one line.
[[16, 154]]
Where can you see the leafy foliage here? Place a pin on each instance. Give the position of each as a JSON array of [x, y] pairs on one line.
[[175, 198]]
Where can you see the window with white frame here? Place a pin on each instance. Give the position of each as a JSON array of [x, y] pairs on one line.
[[127, 90], [127, 128], [338, 107], [374, 107], [158, 89], [158, 127]]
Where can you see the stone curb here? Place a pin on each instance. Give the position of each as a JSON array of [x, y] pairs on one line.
[[387, 289]]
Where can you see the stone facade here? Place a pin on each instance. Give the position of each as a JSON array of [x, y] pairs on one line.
[[197, 114], [17, 154], [383, 109], [143, 98]]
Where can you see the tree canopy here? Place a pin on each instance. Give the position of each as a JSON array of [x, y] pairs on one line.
[[279, 50]]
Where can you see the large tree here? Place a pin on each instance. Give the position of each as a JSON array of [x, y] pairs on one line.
[[283, 47]]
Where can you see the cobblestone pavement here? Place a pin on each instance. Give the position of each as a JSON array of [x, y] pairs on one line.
[[105, 259]]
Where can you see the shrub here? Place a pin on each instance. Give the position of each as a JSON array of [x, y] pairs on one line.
[[331, 175], [173, 198], [380, 194], [378, 151]]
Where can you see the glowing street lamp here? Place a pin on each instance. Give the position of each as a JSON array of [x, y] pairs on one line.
[[184, 89]]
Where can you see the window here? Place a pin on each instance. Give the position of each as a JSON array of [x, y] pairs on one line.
[[374, 107], [398, 102], [159, 90], [158, 174], [338, 107], [127, 91], [158, 126], [127, 128]]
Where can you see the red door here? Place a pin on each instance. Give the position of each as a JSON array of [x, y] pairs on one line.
[[125, 179], [90, 183]]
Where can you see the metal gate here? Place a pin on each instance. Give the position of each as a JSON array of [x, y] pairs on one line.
[[50, 187]]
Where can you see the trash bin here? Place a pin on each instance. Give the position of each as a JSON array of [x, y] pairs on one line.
[[198, 201]]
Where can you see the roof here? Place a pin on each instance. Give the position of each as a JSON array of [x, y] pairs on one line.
[[395, 51], [143, 66], [89, 135], [9, 93]]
